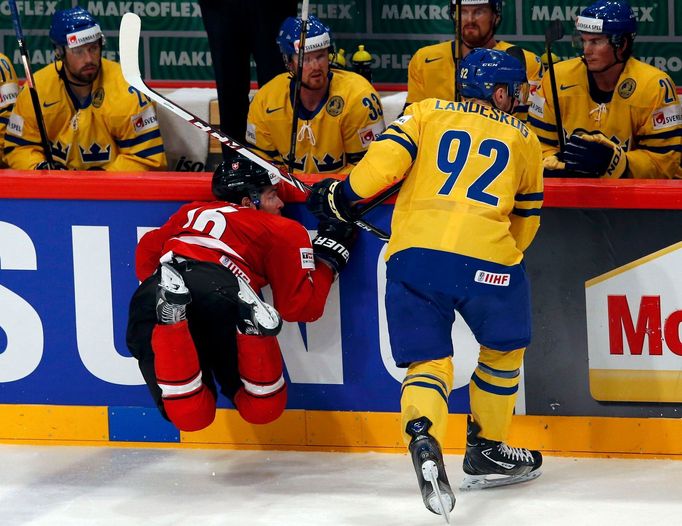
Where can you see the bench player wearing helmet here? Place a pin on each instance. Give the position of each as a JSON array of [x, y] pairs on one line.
[[431, 72], [468, 208], [9, 89], [196, 317], [621, 117], [94, 120], [339, 114]]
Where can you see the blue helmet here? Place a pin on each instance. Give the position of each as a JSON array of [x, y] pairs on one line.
[[317, 37], [483, 69], [608, 17], [74, 27]]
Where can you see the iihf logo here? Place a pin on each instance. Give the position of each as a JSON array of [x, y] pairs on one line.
[[492, 278]]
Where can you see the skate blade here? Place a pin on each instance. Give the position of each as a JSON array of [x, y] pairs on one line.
[[267, 317], [474, 482], [438, 502]]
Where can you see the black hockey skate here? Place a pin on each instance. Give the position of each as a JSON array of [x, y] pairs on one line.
[[428, 464], [488, 463], [172, 296]]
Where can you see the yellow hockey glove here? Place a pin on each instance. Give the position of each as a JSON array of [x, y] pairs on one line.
[[595, 155]]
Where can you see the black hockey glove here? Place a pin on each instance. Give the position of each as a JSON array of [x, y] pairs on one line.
[[594, 155], [326, 201], [333, 242], [56, 165]]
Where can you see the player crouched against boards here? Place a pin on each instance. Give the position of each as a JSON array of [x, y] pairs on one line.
[[197, 319], [339, 114], [93, 119], [468, 208]]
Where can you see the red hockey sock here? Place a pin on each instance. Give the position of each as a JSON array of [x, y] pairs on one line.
[[264, 395], [189, 404]]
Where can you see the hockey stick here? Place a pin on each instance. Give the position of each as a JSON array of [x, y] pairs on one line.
[[297, 85], [129, 40], [16, 21], [458, 44], [554, 32]]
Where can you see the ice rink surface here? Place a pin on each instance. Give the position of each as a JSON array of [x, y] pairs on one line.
[[91, 486]]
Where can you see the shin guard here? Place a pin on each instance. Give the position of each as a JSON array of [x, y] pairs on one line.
[[263, 396], [425, 392], [189, 404], [493, 390]]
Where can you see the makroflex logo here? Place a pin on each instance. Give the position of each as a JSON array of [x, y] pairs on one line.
[[415, 12], [150, 9], [332, 11], [634, 316], [541, 13]]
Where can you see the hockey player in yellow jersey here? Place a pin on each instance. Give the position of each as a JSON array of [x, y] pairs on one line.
[[9, 89], [340, 113], [94, 120], [620, 116], [431, 72], [467, 210]]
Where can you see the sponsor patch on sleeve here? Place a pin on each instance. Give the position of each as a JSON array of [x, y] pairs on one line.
[[15, 126], [145, 121], [368, 134], [402, 120], [307, 259], [667, 117], [8, 94], [536, 105], [250, 133]]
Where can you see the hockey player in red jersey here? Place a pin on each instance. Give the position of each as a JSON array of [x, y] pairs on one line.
[[197, 315]]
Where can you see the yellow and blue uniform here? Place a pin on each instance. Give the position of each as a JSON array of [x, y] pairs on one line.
[[115, 129], [9, 89], [468, 208], [431, 72], [331, 139], [643, 115]]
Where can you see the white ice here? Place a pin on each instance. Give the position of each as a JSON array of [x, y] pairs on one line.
[[93, 486]]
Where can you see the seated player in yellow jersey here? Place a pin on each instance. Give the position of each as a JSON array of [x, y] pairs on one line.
[[468, 208], [431, 72], [9, 89], [93, 119], [339, 114], [620, 116]]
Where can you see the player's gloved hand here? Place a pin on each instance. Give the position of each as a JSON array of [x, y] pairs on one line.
[[333, 242], [555, 167], [595, 156], [326, 201], [45, 165]]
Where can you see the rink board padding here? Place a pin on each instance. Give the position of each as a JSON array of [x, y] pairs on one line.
[[65, 374]]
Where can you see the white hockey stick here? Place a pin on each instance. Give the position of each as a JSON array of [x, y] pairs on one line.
[[129, 43]]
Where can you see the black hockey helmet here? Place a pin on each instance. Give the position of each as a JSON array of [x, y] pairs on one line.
[[239, 178]]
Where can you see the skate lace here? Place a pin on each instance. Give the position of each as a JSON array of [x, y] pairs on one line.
[[597, 112], [515, 453]]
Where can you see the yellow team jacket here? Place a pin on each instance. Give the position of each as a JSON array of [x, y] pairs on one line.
[[331, 139], [9, 89], [431, 72], [473, 180], [116, 130], [643, 116]]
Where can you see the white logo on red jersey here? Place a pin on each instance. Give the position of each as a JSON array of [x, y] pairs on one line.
[[307, 259]]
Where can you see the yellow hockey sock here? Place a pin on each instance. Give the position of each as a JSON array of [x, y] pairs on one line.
[[493, 390], [425, 392]]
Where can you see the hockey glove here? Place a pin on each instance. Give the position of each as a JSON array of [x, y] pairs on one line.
[[326, 201], [45, 165], [333, 242], [595, 156]]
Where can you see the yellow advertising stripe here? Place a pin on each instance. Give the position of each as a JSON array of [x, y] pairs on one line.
[[633, 264], [53, 422], [622, 385], [352, 431]]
